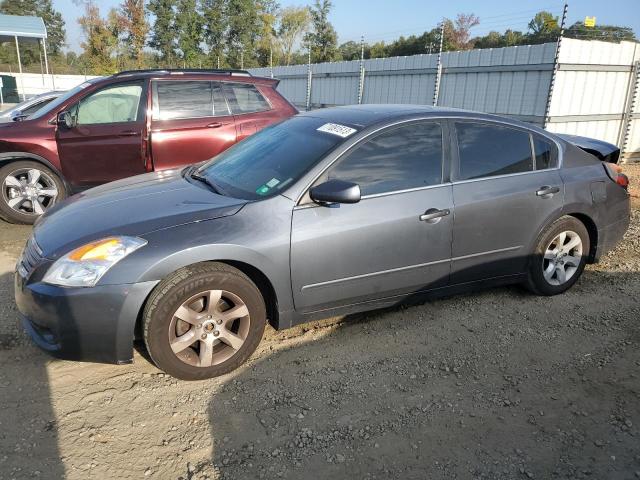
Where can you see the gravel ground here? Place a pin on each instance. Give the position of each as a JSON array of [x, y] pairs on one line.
[[496, 384]]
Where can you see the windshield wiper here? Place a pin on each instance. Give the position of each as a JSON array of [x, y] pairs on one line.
[[201, 178]]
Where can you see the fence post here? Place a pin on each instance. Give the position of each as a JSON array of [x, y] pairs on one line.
[[361, 80], [632, 101], [547, 109], [436, 86], [308, 106]]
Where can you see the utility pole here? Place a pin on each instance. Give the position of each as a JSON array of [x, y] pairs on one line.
[[547, 111], [436, 88], [241, 59]]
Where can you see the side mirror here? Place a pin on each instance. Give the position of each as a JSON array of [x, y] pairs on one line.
[[335, 191], [65, 119], [18, 116]]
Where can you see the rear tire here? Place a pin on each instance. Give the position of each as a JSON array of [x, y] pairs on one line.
[[559, 257], [203, 321], [27, 190]]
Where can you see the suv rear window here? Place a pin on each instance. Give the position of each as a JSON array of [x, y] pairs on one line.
[[188, 99], [245, 98]]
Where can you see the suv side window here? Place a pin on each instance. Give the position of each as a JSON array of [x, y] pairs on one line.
[[399, 158], [187, 99], [489, 150], [118, 103], [545, 153], [245, 98]]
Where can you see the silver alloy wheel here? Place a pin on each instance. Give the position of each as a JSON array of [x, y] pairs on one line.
[[562, 258], [29, 191], [209, 328]]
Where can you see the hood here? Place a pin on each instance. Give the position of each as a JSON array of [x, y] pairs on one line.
[[605, 151], [133, 206]]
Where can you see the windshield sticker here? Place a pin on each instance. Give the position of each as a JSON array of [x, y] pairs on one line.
[[264, 189], [272, 183], [336, 129]]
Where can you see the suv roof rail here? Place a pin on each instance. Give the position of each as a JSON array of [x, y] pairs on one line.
[[218, 71]]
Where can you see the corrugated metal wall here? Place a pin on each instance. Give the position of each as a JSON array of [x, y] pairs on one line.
[[592, 90], [592, 93], [512, 81]]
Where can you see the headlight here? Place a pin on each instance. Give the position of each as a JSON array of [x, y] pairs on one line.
[[84, 266]]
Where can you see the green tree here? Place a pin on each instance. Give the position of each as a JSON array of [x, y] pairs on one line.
[[100, 42], [266, 44], [132, 20], [242, 34], [543, 27], [323, 40], [294, 23], [163, 33], [607, 33], [215, 23], [188, 25]]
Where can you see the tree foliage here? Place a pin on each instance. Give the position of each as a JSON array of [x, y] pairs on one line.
[[294, 23], [323, 39]]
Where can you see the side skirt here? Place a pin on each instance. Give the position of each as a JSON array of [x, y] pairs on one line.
[[290, 319]]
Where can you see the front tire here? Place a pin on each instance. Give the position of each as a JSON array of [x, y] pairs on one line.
[[559, 257], [203, 321], [28, 189]]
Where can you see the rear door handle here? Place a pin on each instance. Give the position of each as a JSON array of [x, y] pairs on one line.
[[128, 133], [547, 192], [433, 215], [215, 125]]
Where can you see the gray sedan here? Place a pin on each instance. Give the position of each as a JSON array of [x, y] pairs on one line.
[[330, 212]]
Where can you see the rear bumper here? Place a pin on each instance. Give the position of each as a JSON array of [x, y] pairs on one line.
[[610, 236], [89, 324]]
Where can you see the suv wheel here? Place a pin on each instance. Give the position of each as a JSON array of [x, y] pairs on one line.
[[28, 190], [203, 321], [559, 258]]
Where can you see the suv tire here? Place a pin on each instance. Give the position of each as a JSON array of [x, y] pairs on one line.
[[28, 189]]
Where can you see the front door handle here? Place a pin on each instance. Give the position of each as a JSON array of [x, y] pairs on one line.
[[129, 133], [433, 215], [547, 192], [215, 125]]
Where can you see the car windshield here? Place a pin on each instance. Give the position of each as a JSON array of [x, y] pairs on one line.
[[272, 159], [58, 101]]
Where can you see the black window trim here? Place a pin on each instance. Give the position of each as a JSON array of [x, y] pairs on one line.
[[142, 107], [226, 96], [455, 157], [554, 152], [154, 99]]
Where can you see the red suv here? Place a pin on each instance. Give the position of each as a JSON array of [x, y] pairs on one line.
[[126, 124]]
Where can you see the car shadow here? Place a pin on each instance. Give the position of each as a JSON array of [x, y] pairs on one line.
[[28, 426], [492, 384]]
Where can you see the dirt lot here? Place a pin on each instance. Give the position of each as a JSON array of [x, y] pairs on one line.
[[497, 384]]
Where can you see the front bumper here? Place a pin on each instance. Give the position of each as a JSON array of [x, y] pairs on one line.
[[89, 324]]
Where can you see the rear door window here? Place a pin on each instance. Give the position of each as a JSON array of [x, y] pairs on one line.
[[399, 158], [245, 98], [188, 99], [490, 150]]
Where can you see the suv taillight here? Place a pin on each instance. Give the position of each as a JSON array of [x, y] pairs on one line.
[[615, 173]]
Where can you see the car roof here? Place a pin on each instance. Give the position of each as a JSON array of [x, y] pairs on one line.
[[364, 116]]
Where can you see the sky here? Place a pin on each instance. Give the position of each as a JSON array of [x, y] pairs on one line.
[[386, 20]]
